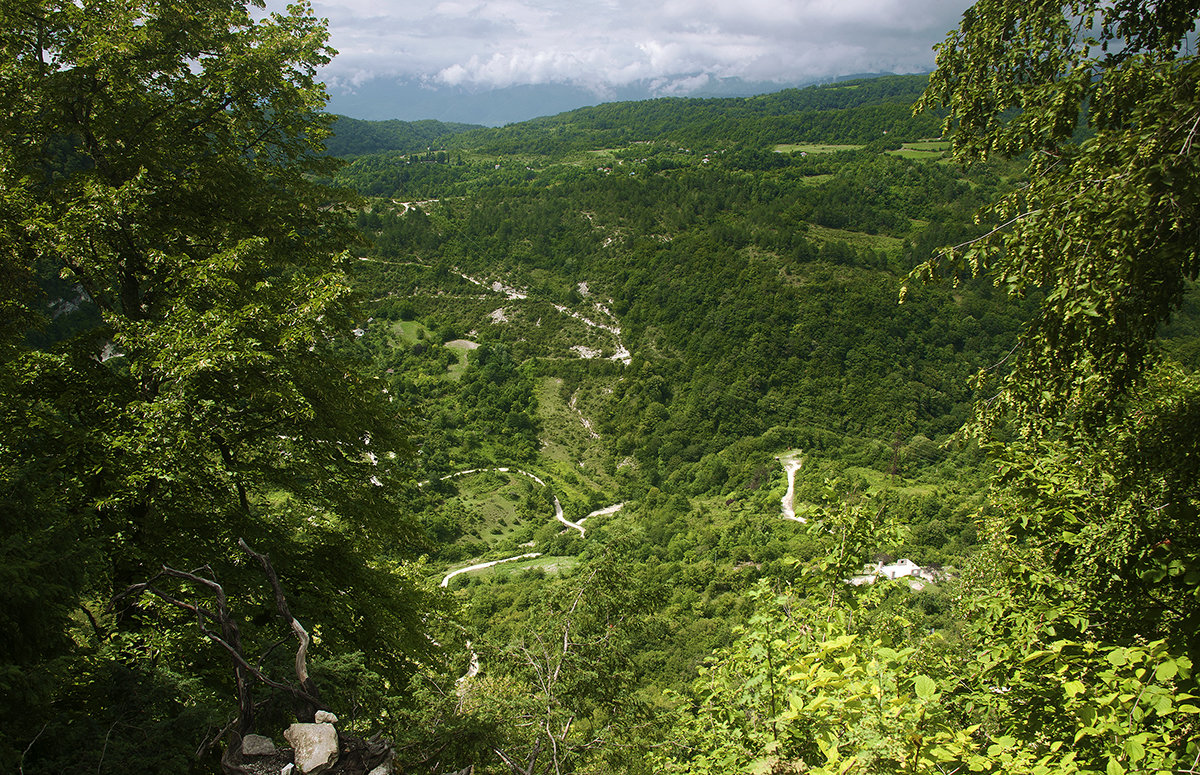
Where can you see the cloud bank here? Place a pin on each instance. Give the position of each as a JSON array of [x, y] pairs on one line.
[[675, 46]]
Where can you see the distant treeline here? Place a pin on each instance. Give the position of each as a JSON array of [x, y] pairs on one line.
[[877, 110], [354, 137]]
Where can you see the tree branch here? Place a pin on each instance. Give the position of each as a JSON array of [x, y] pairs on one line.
[[285, 613]]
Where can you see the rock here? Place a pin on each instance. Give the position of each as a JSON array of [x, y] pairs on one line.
[[288, 769], [315, 747], [257, 745], [325, 717], [383, 769]]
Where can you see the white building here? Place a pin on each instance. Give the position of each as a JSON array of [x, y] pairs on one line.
[[904, 568]]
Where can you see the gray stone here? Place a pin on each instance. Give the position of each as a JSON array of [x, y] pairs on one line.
[[315, 747], [288, 769], [325, 717], [257, 745]]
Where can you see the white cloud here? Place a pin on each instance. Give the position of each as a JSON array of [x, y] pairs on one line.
[[604, 44]]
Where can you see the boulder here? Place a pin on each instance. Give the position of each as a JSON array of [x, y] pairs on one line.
[[257, 745], [325, 717], [315, 747]]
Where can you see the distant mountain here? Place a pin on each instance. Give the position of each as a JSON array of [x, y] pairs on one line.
[[872, 110], [355, 137], [411, 100], [875, 110]]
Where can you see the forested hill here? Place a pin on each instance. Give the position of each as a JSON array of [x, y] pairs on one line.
[[353, 137], [653, 324], [875, 110], [852, 111]]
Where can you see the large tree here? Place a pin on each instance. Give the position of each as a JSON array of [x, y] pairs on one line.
[[1094, 425], [177, 359], [1100, 466]]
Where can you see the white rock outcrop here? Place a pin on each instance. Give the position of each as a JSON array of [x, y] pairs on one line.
[[314, 747]]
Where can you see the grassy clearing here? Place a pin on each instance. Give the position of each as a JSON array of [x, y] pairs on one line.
[[877, 481], [923, 149], [547, 565], [410, 331], [460, 347], [814, 148], [492, 498], [856, 239], [570, 455], [928, 145]]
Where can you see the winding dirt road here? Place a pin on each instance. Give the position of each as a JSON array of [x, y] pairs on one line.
[[558, 514], [791, 462], [482, 565]]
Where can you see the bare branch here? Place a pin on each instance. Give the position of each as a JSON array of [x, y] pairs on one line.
[[21, 763], [100, 634], [229, 638], [515, 766], [285, 613], [997, 230], [1187, 144]]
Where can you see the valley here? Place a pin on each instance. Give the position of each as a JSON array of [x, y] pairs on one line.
[[669, 375], [570, 446]]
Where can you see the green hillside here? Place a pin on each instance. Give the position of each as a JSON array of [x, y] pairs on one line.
[[354, 137], [772, 435], [655, 326]]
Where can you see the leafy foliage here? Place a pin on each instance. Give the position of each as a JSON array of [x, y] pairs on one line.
[[1106, 229], [157, 165]]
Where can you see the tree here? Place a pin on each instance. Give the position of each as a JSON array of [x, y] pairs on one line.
[[157, 166], [560, 697], [1086, 604], [1102, 101]]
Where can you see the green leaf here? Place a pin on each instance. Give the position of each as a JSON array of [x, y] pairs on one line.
[[925, 686], [1135, 750], [1166, 671]]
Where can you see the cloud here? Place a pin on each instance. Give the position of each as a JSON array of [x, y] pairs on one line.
[[607, 44]]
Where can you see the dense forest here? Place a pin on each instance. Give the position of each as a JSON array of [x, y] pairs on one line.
[[848, 429]]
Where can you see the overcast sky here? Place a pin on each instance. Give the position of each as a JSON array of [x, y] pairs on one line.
[[672, 45]]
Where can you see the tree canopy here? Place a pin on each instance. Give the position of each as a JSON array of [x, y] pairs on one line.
[[1103, 100], [176, 369]]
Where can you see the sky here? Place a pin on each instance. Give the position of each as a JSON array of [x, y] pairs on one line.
[[666, 47]]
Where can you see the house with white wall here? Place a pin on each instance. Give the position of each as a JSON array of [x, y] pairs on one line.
[[904, 568]]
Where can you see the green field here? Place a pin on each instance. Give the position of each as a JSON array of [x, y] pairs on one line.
[[856, 239], [410, 331], [550, 565], [574, 457], [923, 149], [459, 347], [491, 499], [814, 148]]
